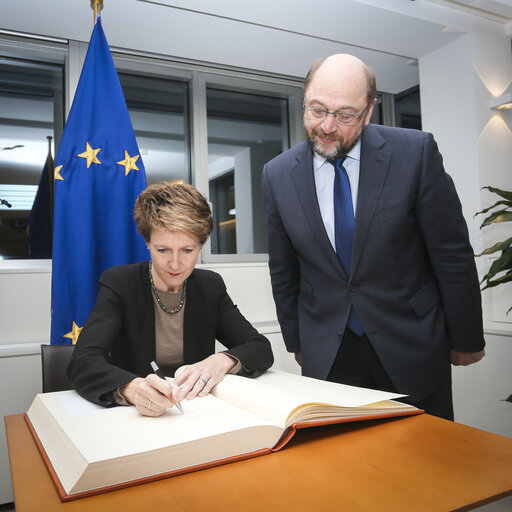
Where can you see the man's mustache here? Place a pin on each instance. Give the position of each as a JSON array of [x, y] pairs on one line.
[[320, 133]]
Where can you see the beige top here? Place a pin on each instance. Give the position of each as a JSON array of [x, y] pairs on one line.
[[169, 332]]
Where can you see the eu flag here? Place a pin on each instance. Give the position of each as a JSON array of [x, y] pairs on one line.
[[98, 175]]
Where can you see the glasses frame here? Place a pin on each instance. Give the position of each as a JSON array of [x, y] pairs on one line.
[[355, 117]]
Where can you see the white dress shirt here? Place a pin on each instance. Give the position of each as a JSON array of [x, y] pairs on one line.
[[324, 182]]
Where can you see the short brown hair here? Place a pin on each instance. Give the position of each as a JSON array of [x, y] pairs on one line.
[[371, 83], [175, 207]]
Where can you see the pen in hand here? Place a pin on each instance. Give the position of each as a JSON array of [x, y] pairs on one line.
[[158, 372]]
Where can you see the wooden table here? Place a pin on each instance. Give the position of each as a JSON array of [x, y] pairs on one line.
[[418, 463]]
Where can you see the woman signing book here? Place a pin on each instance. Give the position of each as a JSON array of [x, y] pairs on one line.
[[164, 310]]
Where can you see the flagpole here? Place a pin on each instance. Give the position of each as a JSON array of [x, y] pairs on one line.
[[51, 183], [97, 6]]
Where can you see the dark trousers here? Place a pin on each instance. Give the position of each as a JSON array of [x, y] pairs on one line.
[[357, 364]]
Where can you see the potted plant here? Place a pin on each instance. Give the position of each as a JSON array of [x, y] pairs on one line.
[[500, 271]]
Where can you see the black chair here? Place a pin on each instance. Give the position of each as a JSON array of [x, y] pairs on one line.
[[54, 361]]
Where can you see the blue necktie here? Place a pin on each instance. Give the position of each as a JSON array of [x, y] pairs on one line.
[[344, 229]]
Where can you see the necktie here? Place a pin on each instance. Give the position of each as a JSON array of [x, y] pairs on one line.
[[344, 229]]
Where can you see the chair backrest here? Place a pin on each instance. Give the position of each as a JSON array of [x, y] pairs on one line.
[[54, 361]]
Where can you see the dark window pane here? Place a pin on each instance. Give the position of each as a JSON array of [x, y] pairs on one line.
[[408, 109], [31, 109], [244, 132], [159, 112]]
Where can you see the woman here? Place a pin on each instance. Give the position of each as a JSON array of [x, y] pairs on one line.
[[166, 311]]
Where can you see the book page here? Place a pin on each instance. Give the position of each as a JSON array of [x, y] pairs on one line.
[[94, 450], [122, 431], [77, 406], [276, 395]]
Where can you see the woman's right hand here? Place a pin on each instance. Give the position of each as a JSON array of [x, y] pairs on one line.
[[151, 396]]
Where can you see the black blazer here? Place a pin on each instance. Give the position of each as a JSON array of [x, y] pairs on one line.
[[117, 343], [413, 279]]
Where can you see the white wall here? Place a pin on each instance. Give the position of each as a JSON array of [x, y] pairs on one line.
[[457, 84], [480, 390], [20, 381]]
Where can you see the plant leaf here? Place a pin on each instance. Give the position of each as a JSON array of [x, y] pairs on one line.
[[500, 280], [501, 264], [507, 203], [503, 193], [497, 217], [499, 246]]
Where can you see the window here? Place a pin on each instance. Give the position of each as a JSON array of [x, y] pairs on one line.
[[244, 132], [158, 110], [31, 109], [196, 124], [408, 109]]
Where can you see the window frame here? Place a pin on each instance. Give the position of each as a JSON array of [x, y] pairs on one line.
[[292, 93], [200, 77]]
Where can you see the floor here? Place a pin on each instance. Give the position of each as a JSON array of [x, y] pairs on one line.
[[504, 505]]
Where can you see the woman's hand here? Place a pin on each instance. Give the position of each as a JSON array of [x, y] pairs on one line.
[[199, 378], [152, 395]]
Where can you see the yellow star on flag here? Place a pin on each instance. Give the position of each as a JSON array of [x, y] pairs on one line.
[[129, 162], [75, 332], [56, 173], [90, 155]]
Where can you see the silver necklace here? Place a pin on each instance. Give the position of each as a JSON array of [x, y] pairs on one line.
[[179, 307]]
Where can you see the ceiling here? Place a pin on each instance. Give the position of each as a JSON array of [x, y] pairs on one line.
[[494, 10]]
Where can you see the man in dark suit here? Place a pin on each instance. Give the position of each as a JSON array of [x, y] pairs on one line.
[[372, 271]]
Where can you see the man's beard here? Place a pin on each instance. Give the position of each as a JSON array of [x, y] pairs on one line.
[[343, 147]]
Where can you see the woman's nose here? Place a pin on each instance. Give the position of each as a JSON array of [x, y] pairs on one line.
[[174, 261]]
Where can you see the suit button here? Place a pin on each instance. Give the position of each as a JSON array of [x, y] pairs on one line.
[[353, 288], [340, 336]]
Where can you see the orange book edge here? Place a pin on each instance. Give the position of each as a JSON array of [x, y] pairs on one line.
[[285, 438], [290, 431]]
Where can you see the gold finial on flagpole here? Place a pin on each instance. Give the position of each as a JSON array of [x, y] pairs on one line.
[[97, 6]]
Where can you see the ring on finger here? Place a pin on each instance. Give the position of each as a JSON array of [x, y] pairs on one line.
[[205, 380], [149, 405]]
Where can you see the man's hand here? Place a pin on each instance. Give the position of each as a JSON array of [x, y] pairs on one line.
[[298, 358], [465, 358]]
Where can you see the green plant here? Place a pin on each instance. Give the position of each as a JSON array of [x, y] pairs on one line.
[[503, 264], [500, 271]]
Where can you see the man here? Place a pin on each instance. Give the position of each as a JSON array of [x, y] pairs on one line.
[[372, 271]]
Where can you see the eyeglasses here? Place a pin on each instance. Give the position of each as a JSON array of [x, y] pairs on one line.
[[340, 116]]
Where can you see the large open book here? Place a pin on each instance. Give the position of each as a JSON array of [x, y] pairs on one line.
[[90, 449]]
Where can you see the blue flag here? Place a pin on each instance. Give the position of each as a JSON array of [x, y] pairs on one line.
[[98, 175]]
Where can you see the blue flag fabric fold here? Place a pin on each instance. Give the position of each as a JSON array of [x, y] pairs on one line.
[[98, 175]]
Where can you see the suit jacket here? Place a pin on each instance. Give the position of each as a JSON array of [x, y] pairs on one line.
[[117, 343], [413, 279]]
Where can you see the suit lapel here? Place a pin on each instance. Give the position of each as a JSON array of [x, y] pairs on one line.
[[146, 349], [373, 170], [303, 178]]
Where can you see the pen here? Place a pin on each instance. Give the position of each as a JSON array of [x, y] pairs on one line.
[[161, 375]]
